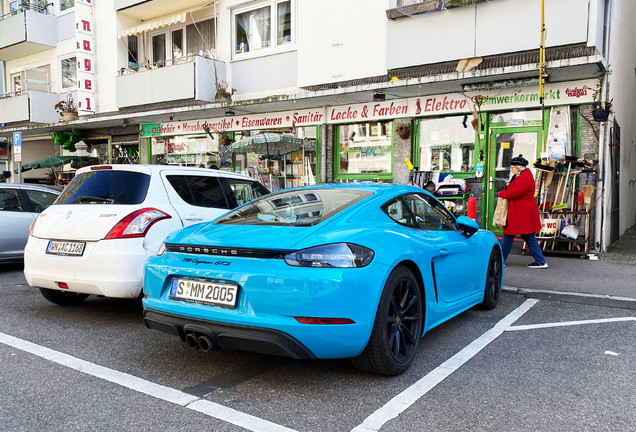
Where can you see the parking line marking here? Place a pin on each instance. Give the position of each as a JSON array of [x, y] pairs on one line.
[[141, 385], [408, 397], [570, 323]]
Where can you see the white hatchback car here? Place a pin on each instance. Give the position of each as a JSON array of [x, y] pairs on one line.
[[97, 235]]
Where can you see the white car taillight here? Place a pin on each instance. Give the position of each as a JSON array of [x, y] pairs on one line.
[[33, 225], [137, 223]]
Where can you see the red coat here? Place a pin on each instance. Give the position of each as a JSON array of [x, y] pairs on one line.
[[523, 211]]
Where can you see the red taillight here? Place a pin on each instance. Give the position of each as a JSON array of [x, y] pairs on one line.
[[307, 320], [33, 225], [101, 167], [62, 285], [137, 223]]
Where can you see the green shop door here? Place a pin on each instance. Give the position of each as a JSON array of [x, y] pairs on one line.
[[504, 144]]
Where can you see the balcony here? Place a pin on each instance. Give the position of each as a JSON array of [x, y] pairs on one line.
[[185, 78], [29, 106], [27, 31]]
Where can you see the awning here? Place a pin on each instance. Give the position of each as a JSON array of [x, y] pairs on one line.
[[125, 139], [164, 21], [268, 143]]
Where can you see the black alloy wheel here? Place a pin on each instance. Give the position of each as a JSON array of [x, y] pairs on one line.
[[494, 273], [63, 298], [397, 329]]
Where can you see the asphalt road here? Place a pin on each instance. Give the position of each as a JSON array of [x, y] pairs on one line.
[[515, 368]]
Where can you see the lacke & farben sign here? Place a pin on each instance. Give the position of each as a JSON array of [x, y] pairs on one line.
[[569, 93]]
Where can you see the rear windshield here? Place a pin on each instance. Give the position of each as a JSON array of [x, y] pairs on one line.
[[106, 187], [305, 207]]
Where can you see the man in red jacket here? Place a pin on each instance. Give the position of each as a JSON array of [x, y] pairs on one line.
[[523, 212]]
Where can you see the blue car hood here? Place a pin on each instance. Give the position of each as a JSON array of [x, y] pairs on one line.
[[243, 236]]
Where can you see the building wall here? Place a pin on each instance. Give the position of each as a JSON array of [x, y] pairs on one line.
[[490, 28], [35, 149], [52, 57], [343, 38], [622, 60]]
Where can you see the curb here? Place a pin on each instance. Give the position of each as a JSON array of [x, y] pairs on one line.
[[570, 297]]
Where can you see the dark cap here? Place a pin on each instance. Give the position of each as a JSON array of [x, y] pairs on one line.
[[519, 161]]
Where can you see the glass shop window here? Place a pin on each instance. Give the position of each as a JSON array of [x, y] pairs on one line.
[[366, 148], [446, 145], [516, 115]]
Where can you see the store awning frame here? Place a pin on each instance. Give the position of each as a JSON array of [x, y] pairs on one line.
[[267, 143], [163, 21]]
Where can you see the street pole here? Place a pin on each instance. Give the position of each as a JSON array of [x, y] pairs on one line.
[[542, 75]]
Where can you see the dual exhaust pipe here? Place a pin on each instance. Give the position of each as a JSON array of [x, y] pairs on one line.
[[201, 341]]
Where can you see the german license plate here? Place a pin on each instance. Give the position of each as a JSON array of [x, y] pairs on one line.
[[214, 293], [65, 248]]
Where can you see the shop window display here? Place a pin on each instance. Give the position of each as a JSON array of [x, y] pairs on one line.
[[445, 145], [521, 114], [365, 148], [286, 161], [192, 150]]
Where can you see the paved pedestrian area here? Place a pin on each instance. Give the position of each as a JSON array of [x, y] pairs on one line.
[[624, 251], [611, 276]]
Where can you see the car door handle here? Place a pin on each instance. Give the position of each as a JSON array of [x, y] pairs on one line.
[[193, 218], [443, 252]]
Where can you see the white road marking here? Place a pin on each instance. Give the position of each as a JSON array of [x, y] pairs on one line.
[[570, 323], [408, 397], [158, 391]]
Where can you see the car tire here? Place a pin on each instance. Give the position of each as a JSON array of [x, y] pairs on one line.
[[63, 298], [397, 329], [494, 273]]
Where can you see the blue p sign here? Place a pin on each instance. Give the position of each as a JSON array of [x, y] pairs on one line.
[[17, 138]]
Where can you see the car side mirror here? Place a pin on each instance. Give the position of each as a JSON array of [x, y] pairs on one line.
[[467, 225]]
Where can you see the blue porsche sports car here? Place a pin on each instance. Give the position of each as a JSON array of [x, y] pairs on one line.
[[330, 271]]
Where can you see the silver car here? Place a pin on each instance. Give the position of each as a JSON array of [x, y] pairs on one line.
[[19, 205]]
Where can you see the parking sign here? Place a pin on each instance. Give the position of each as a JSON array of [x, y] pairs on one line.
[[17, 142]]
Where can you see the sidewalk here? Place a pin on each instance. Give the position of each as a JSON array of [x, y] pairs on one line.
[[612, 277]]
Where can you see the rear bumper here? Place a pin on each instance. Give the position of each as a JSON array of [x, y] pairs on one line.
[[227, 336], [112, 268]]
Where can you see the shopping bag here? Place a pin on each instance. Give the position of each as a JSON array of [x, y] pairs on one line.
[[501, 213]]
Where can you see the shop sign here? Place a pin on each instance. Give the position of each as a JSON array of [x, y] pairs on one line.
[[85, 49], [568, 93], [286, 119], [150, 130], [4, 155]]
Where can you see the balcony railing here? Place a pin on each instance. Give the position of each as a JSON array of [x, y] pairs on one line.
[[27, 30], [29, 106], [190, 77], [40, 7]]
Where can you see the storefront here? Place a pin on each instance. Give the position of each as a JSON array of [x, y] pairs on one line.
[[280, 149], [444, 142]]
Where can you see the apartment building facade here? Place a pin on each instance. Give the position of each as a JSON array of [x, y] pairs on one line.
[[330, 82]]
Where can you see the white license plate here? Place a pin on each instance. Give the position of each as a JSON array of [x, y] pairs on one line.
[[214, 293], [65, 248]]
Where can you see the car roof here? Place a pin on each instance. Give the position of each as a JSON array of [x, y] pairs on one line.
[[154, 170], [47, 188], [377, 188]]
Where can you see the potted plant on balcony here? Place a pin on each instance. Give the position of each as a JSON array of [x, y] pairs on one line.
[[224, 137], [223, 92], [601, 110], [403, 129], [67, 108]]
